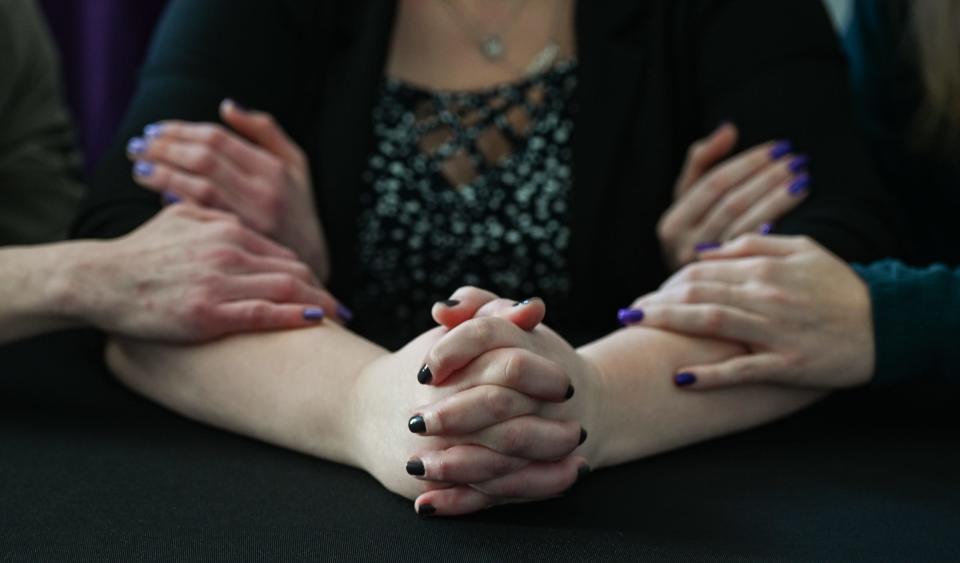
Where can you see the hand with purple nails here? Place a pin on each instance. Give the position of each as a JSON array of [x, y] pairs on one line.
[[191, 275], [716, 201], [803, 316], [254, 171]]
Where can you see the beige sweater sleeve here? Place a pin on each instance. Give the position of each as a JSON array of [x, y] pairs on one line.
[[40, 185]]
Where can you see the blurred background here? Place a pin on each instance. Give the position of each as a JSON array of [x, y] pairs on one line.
[[103, 42]]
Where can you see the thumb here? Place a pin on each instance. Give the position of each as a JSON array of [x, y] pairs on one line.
[[261, 128], [705, 154]]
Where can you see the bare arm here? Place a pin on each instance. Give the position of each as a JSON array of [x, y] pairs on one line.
[[329, 393], [644, 413]]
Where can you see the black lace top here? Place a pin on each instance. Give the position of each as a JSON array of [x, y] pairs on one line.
[[465, 189]]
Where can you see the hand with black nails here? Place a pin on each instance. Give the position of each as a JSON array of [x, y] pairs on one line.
[[254, 171], [514, 378], [716, 201]]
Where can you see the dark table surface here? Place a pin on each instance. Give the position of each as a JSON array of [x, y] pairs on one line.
[[90, 472]]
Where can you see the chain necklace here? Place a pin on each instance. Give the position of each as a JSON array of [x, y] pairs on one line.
[[492, 45]]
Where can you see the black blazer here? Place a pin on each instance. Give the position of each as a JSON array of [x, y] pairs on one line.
[[654, 76]]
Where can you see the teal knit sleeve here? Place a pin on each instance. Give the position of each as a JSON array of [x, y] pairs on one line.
[[916, 317]]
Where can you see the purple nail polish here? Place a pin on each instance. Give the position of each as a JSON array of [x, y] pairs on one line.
[[313, 314], [630, 316], [798, 164], [345, 314], [143, 168], [684, 379], [799, 186], [780, 150], [170, 198], [153, 131], [705, 246], [766, 229], [136, 146]]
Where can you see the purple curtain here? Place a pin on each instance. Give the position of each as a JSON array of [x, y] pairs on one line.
[[102, 44]]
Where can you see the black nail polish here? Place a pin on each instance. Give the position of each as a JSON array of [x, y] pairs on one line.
[[449, 303], [426, 510], [418, 426], [582, 472], [583, 435], [569, 394], [521, 303], [425, 376], [415, 467]]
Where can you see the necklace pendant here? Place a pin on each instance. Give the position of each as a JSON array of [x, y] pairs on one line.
[[492, 47]]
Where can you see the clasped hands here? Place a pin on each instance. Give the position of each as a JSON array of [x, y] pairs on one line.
[[504, 408]]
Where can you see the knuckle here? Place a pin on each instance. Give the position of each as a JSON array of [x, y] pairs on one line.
[[205, 191], [714, 319], [513, 368], [223, 257], [205, 161], [482, 331], [214, 136], [734, 206], [514, 439], [500, 403], [691, 293], [286, 287], [716, 182]]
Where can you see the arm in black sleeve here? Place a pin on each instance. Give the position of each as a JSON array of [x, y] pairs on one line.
[[777, 70], [916, 317], [40, 184], [259, 53]]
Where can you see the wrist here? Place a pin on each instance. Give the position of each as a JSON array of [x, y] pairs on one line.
[[76, 278]]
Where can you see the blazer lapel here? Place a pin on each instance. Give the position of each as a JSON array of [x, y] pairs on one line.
[[610, 53], [356, 60]]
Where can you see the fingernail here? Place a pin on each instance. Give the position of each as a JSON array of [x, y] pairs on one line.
[[522, 303], [798, 164], [169, 198], [780, 150], [630, 316], [415, 467], [143, 168], [426, 510], [582, 472], [344, 313], [449, 302], [583, 435], [417, 425], [799, 186], [723, 123], [705, 246], [425, 375], [569, 394], [684, 379], [136, 146], [313, 314], [153, 131], [766, 229]]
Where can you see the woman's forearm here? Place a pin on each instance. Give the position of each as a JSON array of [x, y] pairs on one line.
[[293, 389], [34, 284], [643, 413]]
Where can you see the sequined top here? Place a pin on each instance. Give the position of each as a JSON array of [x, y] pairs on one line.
[[465, 189]]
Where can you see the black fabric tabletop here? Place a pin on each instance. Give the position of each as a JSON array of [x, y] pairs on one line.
[[90, 472]]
